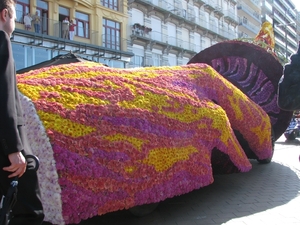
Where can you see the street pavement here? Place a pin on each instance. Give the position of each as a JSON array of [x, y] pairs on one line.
[[268, 194]]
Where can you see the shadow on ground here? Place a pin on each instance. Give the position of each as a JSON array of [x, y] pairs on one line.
[[288, 142], [235, 195]]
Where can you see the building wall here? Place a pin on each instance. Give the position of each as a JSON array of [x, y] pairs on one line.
[[49, 42], [284, 21], [177, 30], [283, 15], [249, 13], [152, 32]]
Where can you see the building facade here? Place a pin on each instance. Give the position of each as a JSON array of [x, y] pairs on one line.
[[249, 13], [137, 33], [100, 31], [123, 33], [170, 32], [285, 20]]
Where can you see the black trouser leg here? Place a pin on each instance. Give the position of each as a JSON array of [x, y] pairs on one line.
[[28, 208]]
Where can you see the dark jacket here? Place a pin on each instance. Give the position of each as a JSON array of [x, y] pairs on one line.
[[11, 115]]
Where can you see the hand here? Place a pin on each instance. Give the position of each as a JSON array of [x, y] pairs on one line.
[[18, 164]]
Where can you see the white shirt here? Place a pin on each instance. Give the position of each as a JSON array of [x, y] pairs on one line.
[[27, 20]]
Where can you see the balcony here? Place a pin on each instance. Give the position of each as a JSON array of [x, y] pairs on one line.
[[200, 2], [286, 13], [141, 30], [256, 3], [230, 17], [268, 7], [250, 26], [227, 33], [171, 10], [218, 11], [161, 6], [209, 6], [242, 35], [86, 41], [233, 1], [156, 38], [249, 11]]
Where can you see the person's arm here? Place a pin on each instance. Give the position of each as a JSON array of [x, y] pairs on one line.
[[11, 144], [9, 134]]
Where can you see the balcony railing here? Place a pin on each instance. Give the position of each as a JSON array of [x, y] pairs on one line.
[[209, 5], [84, 36], [242, 35], [218, 10], [229, 15], [164, 39], [250, 26], [249, 11], [188, 14], [201, 2]]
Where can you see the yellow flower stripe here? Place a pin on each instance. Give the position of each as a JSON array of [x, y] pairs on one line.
[[261, 129], [64, 126], [164, 158], [68, 99], [136, 142], [71, 99], [32, 91]]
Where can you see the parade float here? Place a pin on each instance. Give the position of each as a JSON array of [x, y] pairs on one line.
[[111, 139]]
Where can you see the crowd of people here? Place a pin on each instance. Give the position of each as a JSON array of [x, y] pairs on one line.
[[68, 27]]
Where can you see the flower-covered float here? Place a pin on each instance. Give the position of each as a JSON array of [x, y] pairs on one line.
[[253, 67], [111, 139]]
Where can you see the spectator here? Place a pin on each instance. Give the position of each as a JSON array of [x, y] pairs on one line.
[[27, 21], [65, 28], [72, 29], [37, 22]]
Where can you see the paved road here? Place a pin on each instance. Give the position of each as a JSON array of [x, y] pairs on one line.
[[268, 194]]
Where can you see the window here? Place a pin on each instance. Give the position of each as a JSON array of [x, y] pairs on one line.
[[22, 8], [111, 34], [137, 61], [64, 11], [113, 63], [111, 4], [82, 28], [172, 60], [157, 59], [26, 56]]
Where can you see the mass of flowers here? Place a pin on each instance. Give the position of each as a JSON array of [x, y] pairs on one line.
[[110, 139]]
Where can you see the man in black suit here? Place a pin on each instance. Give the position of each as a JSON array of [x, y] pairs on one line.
[[13, 140]]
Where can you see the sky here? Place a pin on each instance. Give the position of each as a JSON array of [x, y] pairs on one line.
[[297, 4]]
